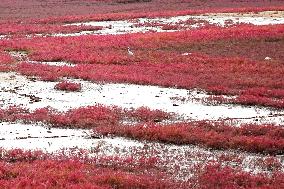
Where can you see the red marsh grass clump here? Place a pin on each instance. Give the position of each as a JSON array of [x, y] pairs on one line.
[[5, 58], [6, 62], [266, 139], [254, 96], [84, 117], [22, 169], [68, 86], [147, 115], [217, 176], [26, 169]]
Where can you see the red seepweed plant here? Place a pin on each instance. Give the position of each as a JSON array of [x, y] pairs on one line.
[[6, 62], [27, 169], [68, 86], [84, 117], [266, 139]]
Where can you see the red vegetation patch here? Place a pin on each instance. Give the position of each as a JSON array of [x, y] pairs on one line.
[[30, 170], [21, 29], [68, 86], [220, 61], [146, 115], [216, 176], [5, 58], [123, 9], [265, 139], [253, 96], [84, 117], [5, 62], [239, 75], [214, 63], [158, 47], [33, 169], [258, 100]]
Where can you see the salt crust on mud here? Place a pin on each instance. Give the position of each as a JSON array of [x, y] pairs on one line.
[[53, 63], [23, 56], [37, 137], [130, 26], [21, 91]]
